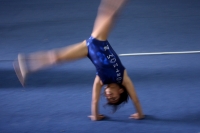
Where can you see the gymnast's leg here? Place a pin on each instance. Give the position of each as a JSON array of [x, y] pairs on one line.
[[36, 61], [107, 13]]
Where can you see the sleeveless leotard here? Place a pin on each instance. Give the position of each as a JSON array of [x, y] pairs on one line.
[[108, 65]]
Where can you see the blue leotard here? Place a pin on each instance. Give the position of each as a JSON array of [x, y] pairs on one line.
[[108, 65]]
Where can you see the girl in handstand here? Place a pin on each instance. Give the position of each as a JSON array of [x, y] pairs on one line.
[[109, 70]]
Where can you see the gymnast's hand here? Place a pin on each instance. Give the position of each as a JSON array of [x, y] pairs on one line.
[[96, 118], [136, 116]]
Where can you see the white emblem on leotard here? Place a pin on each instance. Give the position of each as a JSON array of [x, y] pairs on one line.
[[113, 60], [109, 56], [106, 47]]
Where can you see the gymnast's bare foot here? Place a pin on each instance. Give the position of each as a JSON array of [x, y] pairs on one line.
[[33, 62], [21, 69]]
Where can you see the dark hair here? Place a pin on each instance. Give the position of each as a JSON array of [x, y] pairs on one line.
[[122, 100]]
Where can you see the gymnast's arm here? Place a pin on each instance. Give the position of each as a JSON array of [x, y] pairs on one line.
[[132, 93], [95, 99]]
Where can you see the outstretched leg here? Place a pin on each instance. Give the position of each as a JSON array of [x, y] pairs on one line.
[[107, 13], [39, 60]]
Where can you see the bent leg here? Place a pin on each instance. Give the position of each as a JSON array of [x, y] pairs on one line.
[[39, 60], [106, 16]]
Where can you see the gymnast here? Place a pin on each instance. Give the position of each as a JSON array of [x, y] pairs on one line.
[[110, 73]]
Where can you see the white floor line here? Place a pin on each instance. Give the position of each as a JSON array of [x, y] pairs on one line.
[[160, 53]]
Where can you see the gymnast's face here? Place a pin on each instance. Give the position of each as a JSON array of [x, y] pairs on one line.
[[112, 92]]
